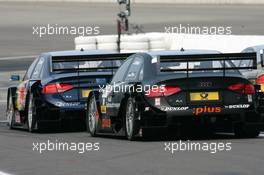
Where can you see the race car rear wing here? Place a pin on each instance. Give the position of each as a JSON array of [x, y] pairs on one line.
[[229, 58], [74, 63]]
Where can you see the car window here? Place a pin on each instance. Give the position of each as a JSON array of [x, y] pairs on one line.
[[134, 69], [30, 70], [119, 76], [38, 68]]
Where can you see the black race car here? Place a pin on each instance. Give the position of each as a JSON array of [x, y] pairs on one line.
[[176, 88], [56, 87]]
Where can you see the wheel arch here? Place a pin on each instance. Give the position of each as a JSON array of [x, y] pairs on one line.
[[34, 88], [123, 102], [96, 94], [11, 92]]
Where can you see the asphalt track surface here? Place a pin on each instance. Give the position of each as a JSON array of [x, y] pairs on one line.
[[116, 155]]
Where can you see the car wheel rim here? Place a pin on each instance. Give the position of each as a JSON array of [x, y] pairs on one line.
[[92, 115], [129, 119], [30, 113]]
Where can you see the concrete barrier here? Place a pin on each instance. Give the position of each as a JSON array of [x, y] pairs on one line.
[[222, 43]]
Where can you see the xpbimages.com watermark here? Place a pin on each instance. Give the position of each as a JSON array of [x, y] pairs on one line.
[[50, 146], [211, 147], [198, 30], [55, 29], [130, 88]]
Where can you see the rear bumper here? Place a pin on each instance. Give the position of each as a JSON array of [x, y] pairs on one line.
[[225, 120], [51, 113], [261, 102]]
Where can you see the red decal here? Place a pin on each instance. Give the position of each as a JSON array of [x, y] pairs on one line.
[[106, 123], [205, 109]]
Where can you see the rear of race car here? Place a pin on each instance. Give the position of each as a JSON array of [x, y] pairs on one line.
[[255, 76], [65, 91], [208, 91], [65, 97]]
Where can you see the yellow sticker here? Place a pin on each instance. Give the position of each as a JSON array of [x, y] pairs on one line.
[[262, 88], [85, 93], [204, 96], [103, 109]]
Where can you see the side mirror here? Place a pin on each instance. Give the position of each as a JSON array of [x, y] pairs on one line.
[[15, 78], [262, 57]]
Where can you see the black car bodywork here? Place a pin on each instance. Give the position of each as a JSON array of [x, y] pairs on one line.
[[191, 88], [56, 87]]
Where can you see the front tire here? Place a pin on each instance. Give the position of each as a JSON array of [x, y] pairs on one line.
[[92, 116], [131, 120], [10, 112], [31, 113]]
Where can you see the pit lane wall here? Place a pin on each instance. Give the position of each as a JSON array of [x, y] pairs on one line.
[[157, 1]]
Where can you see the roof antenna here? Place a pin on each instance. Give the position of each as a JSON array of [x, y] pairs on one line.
[[82, 49], [182, 49]]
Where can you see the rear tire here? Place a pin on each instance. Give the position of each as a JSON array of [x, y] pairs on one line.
[[31, 113], [92, 116], [131, 120], [10, 112]]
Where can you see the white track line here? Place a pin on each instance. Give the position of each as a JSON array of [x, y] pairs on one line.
[[18, 57], [2, 101]]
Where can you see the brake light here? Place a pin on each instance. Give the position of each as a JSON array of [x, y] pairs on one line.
[[163, 91], [260, 79], [56, 88], [242, 88]]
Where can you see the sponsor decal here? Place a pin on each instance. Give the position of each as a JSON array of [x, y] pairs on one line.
[[154, 60], [157, 101], [204, 95], [103, 102], [106, 123], [146, 108], [62, 104], [206, 110], [21, 96], [103, 109], [109, 99], [85, 93], [178, 101], [96, 118], [17, 117], [205, 84], [250, 98], [239, 106], [174, 108], [113, 105]]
